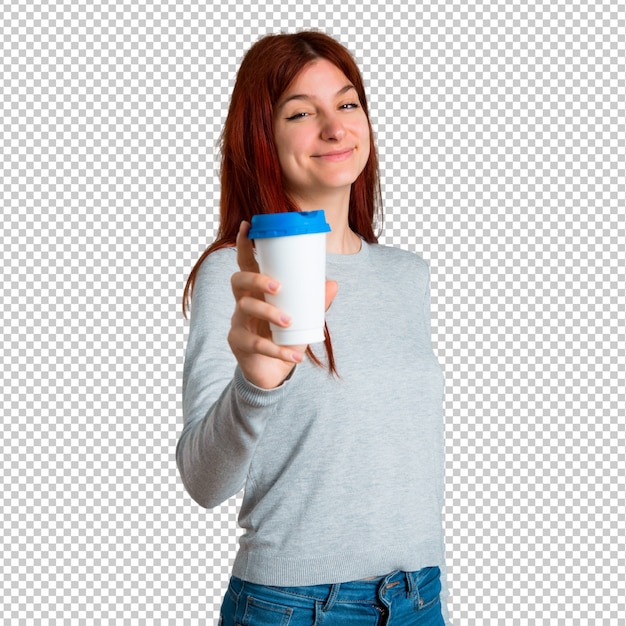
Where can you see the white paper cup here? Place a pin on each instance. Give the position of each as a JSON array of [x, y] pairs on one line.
[[291, 248]]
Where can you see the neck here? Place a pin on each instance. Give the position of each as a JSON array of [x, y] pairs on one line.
[[341, 239]]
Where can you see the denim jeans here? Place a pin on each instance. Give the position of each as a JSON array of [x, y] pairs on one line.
[[398, 599]]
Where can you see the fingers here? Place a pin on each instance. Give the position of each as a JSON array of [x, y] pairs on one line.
[[250, 335], [251, 308], [248, 283], [245, 342], [245, 250], [250, 331]]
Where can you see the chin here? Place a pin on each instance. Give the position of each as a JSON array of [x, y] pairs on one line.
[[341, 179]]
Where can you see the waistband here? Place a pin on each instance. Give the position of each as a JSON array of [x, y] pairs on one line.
[[364, 590]]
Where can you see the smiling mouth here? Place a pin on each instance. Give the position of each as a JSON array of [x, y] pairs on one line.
[[337, 155]]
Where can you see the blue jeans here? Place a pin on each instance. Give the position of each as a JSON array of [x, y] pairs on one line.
[[398, 599]]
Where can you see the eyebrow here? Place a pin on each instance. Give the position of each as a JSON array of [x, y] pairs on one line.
[[303, 96]]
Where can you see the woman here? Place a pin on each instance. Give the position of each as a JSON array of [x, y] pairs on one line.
[[339, 445]]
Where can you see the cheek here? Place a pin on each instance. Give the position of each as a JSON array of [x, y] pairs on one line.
[[279, 143], [365, 139], [283, 143], [288, 148], [365, 151]]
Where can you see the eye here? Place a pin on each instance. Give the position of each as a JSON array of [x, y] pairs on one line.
[[349, 105], [297, 116]]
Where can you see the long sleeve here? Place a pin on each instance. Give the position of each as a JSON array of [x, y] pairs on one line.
[[326, 461], [224, 414], [445, 591]]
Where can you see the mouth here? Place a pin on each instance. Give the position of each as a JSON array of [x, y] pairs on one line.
[[336, 155]]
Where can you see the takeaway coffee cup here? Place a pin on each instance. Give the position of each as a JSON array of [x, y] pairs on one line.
[[291, 248]]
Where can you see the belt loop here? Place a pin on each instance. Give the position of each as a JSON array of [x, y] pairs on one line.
[[410, 584], [332, 597]]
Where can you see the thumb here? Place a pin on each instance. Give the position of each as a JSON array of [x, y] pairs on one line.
[[331, 291], [245, 250]]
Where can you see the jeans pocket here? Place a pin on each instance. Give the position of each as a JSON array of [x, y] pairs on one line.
[[429, 588], [262, 613]]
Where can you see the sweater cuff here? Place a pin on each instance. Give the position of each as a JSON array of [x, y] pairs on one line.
[[257, 396]]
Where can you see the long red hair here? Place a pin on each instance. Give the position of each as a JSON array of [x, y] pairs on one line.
[[251, 179]]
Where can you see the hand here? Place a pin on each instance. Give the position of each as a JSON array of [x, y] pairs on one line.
[[262, 362]]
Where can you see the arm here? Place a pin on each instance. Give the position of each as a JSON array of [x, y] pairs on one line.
[[224, 414], [445, 591]]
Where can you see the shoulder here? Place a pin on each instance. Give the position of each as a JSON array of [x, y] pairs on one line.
[[217, 263], [398, 260], [224, 258], [212, 281]]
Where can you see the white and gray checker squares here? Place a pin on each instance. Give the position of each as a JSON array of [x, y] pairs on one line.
[[502, 134]]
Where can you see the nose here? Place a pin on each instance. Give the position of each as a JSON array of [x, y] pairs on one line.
[[333, 129]]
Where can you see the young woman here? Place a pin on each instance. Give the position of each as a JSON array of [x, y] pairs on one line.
[[338, 445]]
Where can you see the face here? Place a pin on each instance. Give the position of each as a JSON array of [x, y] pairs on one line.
[[322, 134]]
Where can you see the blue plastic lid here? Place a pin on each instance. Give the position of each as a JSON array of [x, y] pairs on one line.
[[269, 225]]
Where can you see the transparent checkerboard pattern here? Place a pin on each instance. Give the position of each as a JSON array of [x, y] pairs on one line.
[[502, 138]]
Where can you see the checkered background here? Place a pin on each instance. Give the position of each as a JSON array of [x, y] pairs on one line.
[[502, 137]]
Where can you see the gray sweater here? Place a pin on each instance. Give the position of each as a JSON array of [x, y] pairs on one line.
[[343, 477]]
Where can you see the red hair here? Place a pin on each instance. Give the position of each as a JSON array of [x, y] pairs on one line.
[[251, 179]]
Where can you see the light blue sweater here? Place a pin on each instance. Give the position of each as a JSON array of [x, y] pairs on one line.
[[343, 477]]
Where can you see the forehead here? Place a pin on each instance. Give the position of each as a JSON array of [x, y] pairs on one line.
[[318, 76], [319, 80]]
